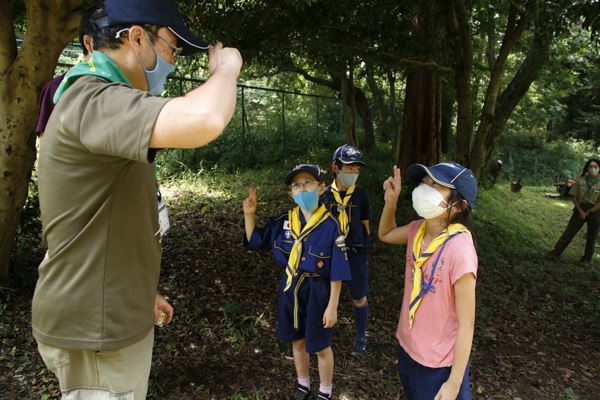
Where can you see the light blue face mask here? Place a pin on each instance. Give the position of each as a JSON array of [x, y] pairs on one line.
[[158, 76], [308, 201]]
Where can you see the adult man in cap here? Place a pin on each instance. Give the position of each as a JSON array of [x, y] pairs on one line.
[[96, 297]]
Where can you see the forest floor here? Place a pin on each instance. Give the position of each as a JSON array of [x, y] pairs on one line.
[[537, 328]]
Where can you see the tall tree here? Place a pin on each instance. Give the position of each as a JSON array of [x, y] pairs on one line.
[[50, 25], [529, 27]]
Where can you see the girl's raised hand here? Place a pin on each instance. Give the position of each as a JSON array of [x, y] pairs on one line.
[[392, 186], [250, 202]]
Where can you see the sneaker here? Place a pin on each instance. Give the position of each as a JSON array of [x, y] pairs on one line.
[[301, 393], [360, 347], [323, 396]]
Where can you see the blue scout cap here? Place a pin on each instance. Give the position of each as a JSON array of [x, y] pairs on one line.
[[450, 174], [154, 12], [348, 154], [312, 169]]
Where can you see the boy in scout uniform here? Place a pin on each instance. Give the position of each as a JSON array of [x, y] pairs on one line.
[[350, 205], [303, 241]]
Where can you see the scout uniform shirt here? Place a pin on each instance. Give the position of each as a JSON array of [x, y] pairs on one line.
[[301, 307], [98, 281], [586, 189], [358, 211]]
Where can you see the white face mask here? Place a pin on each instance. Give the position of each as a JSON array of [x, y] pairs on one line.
[[426, 201], [593, 171]]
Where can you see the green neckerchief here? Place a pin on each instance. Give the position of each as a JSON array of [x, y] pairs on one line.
[[100, 65], [589, 183]]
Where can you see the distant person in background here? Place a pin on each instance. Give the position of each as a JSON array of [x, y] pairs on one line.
[[586, 193], [46, 103]]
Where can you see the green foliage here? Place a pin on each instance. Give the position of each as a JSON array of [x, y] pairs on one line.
[[528, 157], [269, 128]]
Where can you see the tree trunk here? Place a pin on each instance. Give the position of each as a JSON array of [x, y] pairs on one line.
[[514, 30], [347, 112], [458, 26], [50, 26], [537, 57], [422, 125], [447, 113], [379, 106], [397, 137], [364, 112]]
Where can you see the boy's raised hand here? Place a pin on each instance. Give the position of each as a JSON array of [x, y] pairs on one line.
[[392, 186], [250, 202]]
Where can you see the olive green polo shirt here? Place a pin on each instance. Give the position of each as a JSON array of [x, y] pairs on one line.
[[98, 281], [586, 190]]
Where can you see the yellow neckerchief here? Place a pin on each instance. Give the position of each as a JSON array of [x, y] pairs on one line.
[[342, 206], [294, 217], [419, 259]]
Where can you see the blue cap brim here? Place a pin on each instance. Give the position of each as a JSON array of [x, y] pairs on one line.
[[191, 43], [416, 172]]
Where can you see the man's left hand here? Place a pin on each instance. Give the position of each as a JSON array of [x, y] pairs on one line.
[[161, 305]]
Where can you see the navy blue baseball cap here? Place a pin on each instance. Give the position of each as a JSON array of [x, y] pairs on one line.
[[450, 174], [312, 169], [348, 154], [154, 12]]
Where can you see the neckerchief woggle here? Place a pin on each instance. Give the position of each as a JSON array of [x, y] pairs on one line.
[[100, 65], [419, 288], [299, 234], [343, 206]]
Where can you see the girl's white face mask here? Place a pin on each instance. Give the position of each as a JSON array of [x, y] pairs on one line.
[[426, 201]]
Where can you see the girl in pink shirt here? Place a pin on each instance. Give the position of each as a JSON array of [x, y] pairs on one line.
[[435, 329]]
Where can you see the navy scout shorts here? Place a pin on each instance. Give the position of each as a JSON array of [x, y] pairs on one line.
[[311, 299], [423, 383]]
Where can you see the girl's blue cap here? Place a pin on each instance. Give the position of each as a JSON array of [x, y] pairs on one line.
[[450, 174]]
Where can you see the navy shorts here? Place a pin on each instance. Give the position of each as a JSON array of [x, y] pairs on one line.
[[313, 298], [423, 383], [359, 285]]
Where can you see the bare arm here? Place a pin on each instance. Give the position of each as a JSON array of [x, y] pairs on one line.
[[250, 212], [388, 231], [330, 316], [464, 292], [201, 115]]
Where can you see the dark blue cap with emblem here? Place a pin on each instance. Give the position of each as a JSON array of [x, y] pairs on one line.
[[312, 169], [348, 154], [154, 12], [450, 174]]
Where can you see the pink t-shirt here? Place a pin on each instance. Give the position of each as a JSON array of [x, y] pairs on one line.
[[432, 338]]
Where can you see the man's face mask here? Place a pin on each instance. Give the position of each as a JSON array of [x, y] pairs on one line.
[[426, 201], [158, 76]]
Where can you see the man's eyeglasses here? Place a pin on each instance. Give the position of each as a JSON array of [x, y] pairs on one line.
[[176, 50], [306, 184]]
